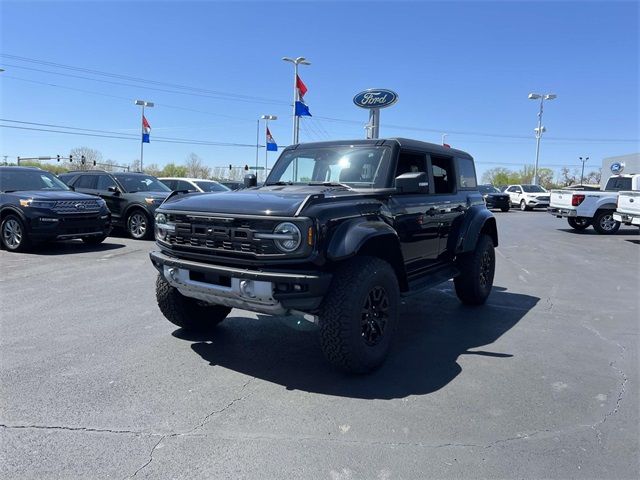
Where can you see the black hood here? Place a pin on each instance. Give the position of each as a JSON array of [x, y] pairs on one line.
[[276, 200], [52, 195]]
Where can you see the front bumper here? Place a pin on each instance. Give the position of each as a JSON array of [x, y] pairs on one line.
[[626, 218], [562, 212], [271, 292], [65, 227]]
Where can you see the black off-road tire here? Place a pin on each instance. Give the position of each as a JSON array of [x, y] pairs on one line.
[[185, 312], [13, 234], [477, 268], [578, 223], [134, 217], [504, 209], [94, 240], [349, 323], [604, 224]]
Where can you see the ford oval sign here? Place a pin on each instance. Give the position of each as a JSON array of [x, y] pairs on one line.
[[375, 98], [617, 167]]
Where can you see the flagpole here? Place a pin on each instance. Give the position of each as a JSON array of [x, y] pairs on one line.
[[266, 147], [257, 144], [296, 119], [142, 138]]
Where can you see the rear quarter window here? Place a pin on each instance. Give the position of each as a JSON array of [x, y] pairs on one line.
[[466, 173]]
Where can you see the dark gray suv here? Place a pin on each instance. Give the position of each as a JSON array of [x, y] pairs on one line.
[[131, 197]]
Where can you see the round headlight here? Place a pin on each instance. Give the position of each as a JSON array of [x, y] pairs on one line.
[[290, 237], [161, 218]]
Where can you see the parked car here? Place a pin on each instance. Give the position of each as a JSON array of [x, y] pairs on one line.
[[35, 206], [131, 197], [339, 232], [494, 198], [193, 184], [628, 209], [582, 209], [528, 197], [232, 185]]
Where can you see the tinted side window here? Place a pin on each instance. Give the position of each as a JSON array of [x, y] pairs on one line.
[[182, 185], [86, 181], [466, 173], [170, 184], [443, 174], [104, 182], [616, 184], [410, 162]]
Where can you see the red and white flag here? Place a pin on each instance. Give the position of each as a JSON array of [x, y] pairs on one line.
[[146, 130], [302, 88]]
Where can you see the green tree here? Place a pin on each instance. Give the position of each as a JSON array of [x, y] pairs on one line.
[[173, 170]]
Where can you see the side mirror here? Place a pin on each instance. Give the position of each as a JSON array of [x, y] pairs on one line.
[[114, 190], [413, 182], [72, 188], [250, 180]]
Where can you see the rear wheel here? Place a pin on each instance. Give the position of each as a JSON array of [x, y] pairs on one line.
[[477, 269], [138, 225], [185, 312], [578, 223], [604, 223], [359, 315], [14, 235]]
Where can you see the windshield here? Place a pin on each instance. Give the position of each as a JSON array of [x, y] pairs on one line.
[[355, 166], [488, 189], [533, 188], [141, 183], [211, 186], [13, 180]]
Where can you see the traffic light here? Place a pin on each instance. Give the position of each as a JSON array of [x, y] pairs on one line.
[[82, 159], [58, 157], [230, 167], [246, 167], [94, 163], [70, 158]]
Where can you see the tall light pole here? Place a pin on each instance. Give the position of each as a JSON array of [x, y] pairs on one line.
[[296, 96], [266, 119], [540, 129], [142, 103], [583, 160]]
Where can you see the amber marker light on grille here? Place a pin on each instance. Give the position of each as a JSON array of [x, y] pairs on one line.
[[310, 236]]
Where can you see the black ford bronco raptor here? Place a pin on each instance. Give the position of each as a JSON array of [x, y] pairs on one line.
[[338, 233]]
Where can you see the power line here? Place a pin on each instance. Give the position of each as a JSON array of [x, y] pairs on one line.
[[138, 79]]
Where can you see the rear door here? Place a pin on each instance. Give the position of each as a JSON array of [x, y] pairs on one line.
[[114, 200], [86, 183]]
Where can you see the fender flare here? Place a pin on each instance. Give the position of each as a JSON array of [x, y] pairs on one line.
[[477, 220], [126, 212], [352, 234], [606, 206], [12, 209]]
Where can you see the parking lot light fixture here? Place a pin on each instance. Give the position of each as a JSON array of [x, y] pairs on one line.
[[296, 97], [539, 130], [143, 104], [583, 160]]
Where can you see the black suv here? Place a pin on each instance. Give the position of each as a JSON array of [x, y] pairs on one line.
[[131, 197], [339, 232], [35, 206]]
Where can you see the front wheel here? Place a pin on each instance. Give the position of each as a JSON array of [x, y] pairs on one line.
[[578, 223], [14, 235], [604, 223], [505, 209], [186, 312], [477, 269], [523, 206], [138, 225], [359, 315]]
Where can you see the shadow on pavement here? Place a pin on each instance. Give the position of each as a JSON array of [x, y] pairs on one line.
[[70, 247], [435, 329], [591, 231]]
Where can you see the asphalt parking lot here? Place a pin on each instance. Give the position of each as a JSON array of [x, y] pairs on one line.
[[540, 382]]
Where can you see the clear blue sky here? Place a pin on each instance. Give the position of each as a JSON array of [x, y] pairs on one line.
[[457, 67]]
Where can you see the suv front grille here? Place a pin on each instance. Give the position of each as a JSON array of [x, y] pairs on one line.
[[76, 206], [224, 235]]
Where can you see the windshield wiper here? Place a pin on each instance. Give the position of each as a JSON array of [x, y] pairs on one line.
[[331, 184]]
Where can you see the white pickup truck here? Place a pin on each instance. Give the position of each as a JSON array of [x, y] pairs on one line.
[[628, 211], [584, 208]]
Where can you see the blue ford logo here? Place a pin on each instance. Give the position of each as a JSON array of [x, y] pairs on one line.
[[617, 167], [375, 98]]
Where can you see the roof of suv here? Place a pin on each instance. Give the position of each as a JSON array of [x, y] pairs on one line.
[[402, 142], [189, 179]]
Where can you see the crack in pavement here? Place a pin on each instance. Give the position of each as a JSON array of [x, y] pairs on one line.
[[204, 421], [79, 429], [622, 384]]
